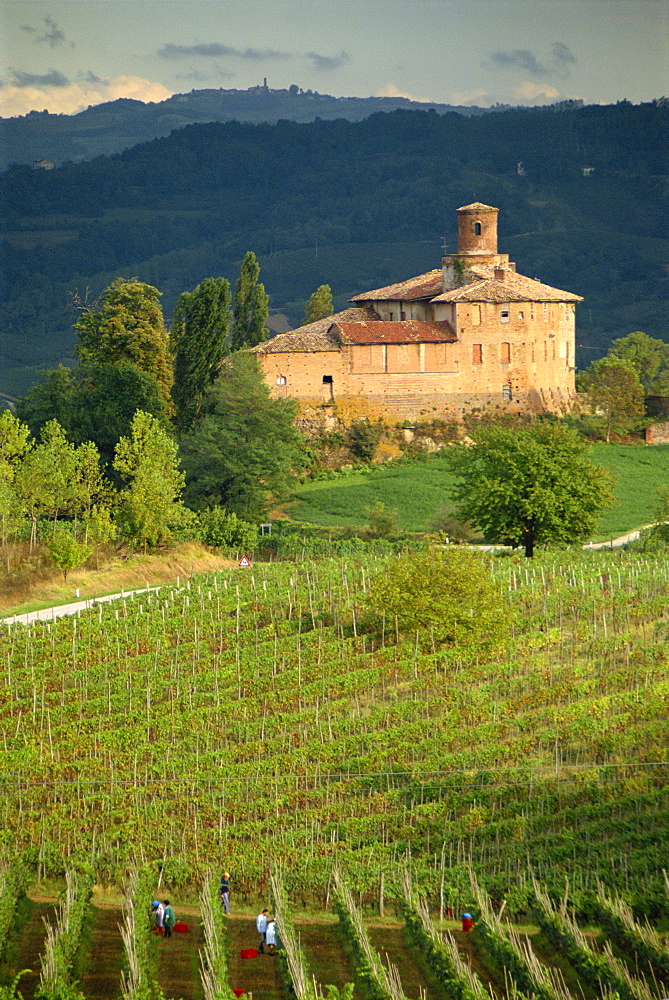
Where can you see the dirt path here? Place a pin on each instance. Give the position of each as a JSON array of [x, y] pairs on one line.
[[25, 945], [393, 947], [178, 962], [260, 975], [101, 979], [324, 950], [470, 951]]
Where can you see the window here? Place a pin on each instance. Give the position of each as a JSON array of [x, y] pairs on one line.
[[476, 315], [281, 380], [477, 229], [403, 315], [505, 353], [390, 315], [504, 314], [521, 314], [507, 394], [477, 354]]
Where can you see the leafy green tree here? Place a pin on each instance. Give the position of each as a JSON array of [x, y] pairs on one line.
[[14, 443], [650, 358], [11, 512], [524, 486], [318, 305], [613, 386], [240, 453], [222, 529], [198, 341], [251, 306], [383, 523], [149, 506], [128, 327], [105, 400], [46, 480], [67, 552], [50, 398], [91, 487], [447, 596]]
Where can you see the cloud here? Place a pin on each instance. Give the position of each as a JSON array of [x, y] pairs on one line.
[[52, 34], [53, 78], [520, 58], [320, 62], [530, 91], [557, 63], [71, 96], [214, 50]]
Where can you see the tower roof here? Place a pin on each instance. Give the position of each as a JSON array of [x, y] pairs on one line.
[[477, 206]]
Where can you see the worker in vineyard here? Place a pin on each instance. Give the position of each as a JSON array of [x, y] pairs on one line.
[[225, 892], [159, 914], [261, 927], [270, 935], [168, 919]]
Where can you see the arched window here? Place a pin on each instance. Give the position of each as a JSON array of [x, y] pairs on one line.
[[477, 229]]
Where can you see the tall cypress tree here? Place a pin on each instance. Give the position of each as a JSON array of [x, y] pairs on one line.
[[198, 336], [251, 307]]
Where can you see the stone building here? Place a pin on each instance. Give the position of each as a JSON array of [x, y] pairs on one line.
[[471, 335]]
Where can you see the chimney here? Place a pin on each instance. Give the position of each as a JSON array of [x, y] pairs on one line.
[[500, 274]]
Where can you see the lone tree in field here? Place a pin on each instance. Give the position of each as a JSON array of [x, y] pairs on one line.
[[614, 387], [448, 597], [522, 487], [198, 341], [319, 305], [251, 307]]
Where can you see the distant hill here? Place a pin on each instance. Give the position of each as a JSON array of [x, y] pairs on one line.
[[116, 125], [582, 195]]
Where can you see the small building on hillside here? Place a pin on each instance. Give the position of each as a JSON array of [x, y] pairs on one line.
[[470, 335]]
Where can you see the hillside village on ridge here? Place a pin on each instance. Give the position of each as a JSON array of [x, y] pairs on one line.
[[473, 334]]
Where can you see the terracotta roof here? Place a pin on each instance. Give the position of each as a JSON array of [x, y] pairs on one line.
[[390, 332], [514, 288], [313, 336], [424, 286], [476, 206]]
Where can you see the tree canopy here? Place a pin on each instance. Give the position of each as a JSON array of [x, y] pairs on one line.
[[198, 340], [524, 486], [319, 305], [241, 450], [128, 327], [446, 595], [613, 386], [251, 306], [650, 358], [150, 504]]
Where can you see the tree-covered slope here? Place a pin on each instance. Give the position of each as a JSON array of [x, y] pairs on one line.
[[353, 204]]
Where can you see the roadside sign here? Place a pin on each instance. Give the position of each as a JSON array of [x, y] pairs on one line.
[[244, 563]]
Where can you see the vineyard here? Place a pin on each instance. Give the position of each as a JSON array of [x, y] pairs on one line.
[[259, 720]]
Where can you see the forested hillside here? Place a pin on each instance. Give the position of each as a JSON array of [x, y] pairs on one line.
[[115, 125], [353, 204]]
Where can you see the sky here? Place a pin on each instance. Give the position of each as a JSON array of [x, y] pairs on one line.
[[63, 55]]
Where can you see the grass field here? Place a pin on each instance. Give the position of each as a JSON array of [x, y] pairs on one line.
[[416, 491]]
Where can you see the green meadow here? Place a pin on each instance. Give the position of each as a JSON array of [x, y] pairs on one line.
[[417, 490]]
